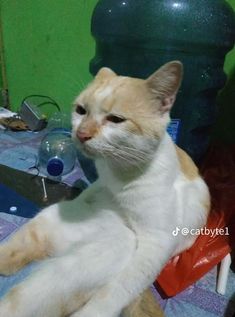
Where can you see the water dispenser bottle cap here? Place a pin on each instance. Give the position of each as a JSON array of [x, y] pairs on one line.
[[55, 167]]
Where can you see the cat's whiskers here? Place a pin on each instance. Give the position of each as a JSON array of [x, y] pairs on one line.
[[133, 149], [125, 154], [110, 151], [127, 151], [123, 158], [119, 159]]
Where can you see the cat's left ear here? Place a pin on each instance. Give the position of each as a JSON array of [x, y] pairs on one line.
[[105, 73], [164, 84]]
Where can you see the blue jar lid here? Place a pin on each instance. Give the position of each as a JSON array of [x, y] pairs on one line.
[[55, 167]]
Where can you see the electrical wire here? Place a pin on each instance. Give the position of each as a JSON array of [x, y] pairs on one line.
[[48, 102], [51, 101]]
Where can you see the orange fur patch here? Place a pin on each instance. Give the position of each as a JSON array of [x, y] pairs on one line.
[[28, 244], [129, 98], [186, 164], [207, 204], [73, 304], [144, 306], [143, 103], [90, 126]]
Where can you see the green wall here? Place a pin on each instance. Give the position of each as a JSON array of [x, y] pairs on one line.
[[230, 60], [48, 46], [224, 130]]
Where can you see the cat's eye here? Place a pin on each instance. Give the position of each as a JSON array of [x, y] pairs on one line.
[[80, 110], [115, 119]]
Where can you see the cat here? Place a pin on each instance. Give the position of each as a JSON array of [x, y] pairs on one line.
[[103, 249]]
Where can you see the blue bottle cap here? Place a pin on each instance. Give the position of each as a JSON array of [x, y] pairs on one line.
[[55, 167]]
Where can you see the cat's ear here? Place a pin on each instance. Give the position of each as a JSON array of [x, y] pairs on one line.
[[164, 84], [105, 73]]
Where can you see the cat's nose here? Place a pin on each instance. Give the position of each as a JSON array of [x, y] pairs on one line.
[[83, 136]]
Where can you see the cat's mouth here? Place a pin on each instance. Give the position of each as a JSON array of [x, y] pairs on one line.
[[84, 147], [88, 150]]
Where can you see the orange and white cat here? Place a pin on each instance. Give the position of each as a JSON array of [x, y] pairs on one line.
[[108, 245]]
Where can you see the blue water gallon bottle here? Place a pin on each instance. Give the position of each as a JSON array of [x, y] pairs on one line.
[[135, 37], [57, 154]]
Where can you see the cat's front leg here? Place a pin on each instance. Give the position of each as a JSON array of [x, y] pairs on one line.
[[43, 236], [149, 259], [48, 292], [50, 233], [30, 243], [58, 287], [29, 297]]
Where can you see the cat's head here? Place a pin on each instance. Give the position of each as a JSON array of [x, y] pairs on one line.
[[122, 118]]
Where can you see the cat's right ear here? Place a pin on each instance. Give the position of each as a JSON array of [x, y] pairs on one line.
[[105, 73], [164, 84]]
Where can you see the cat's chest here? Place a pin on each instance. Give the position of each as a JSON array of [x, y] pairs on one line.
[[145, 200], [146, 207]]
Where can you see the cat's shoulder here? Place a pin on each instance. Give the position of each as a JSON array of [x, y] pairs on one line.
[[187, 166]]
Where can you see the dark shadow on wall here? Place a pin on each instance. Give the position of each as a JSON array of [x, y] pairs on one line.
[[224, 130]]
